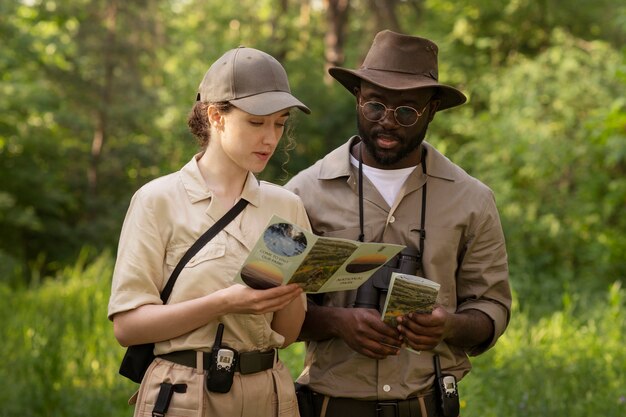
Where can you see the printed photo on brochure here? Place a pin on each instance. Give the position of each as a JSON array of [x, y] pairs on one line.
[[286, 253]]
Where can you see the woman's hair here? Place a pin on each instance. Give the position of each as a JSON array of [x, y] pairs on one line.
[[198, 120]]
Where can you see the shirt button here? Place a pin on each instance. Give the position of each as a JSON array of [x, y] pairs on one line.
[[386, 388], [392, 219]]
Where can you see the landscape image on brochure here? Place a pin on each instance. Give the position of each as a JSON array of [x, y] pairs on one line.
[[285, 253], [408, 293]]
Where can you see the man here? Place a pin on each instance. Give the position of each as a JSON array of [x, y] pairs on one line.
[[388, 185]]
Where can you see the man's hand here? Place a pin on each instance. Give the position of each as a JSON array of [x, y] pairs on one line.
[[467, 329], [424, 331], [363, 330]]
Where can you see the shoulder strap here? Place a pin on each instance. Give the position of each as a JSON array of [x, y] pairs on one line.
[[202, 240]]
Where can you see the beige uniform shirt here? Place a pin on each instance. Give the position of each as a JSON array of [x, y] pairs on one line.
[[165, 217], [464, 252]]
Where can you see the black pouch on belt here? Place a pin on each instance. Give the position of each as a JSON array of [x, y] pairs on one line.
[[222, 367]]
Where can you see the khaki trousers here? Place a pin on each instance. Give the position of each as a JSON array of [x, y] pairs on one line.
[[268, 393]]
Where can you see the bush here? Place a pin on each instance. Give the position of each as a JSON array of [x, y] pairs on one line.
[[570, 363], [59, 353], [60, 356]]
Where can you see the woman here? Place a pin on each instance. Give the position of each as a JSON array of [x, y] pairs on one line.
[[243, 104]]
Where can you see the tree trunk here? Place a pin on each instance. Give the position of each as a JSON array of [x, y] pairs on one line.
[[100, 133], [334, 40], [385, 16], [279, 36]]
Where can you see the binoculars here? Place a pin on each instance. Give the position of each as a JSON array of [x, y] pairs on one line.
[[372, 293]]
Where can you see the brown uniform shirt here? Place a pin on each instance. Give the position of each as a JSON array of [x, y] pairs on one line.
[[464, 252]]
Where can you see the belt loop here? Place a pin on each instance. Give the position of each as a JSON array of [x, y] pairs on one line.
[[422, 406], [199, 362], [324, 406]]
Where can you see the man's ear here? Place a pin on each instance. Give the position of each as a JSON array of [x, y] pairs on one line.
[[434, 106], [357, 95]]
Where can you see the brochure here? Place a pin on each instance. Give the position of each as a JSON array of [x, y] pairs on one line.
[[285, 253], [408, 293]]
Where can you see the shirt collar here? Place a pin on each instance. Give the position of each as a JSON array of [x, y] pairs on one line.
[[337, 163], [252, 190], [437, 165], [197, 190]]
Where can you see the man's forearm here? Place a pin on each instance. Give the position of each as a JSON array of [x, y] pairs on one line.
[[469, 329], [320, 323]]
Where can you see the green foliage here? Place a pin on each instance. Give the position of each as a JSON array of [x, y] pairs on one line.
[[60, 355], [58, 350], [547, 134], [546, 89], [487, 32], [60, 92], [293, 358], [566, 364], [545, 128]]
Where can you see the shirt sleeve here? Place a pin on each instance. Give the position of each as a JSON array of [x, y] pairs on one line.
[[483, 277], [139, 266], [302, 218]]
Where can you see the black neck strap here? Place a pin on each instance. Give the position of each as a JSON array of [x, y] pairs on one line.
[[362, 234], [422, 230], [199, 244]]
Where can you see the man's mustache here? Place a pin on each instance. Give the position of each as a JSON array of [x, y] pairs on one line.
[[382, 132]]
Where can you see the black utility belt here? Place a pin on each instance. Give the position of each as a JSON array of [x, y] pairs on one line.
[[246, 363]]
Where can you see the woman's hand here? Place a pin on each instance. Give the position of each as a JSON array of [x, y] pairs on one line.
[[240, 299]]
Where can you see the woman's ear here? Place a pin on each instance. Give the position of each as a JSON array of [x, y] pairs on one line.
[[216, 119]]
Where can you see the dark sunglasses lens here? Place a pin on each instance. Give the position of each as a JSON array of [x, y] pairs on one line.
[[406, 115], [373, 111]]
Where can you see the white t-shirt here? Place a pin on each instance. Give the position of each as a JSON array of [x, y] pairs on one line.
[[388, 182]]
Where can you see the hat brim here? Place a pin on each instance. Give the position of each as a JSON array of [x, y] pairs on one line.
[[351, 79], [268, 102]]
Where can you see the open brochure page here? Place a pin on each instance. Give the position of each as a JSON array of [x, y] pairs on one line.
[[408, 293], [286, 253]]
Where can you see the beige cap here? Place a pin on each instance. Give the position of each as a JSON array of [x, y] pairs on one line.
[[251, 80]]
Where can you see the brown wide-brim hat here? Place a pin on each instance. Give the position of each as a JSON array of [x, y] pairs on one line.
[[400, 62]]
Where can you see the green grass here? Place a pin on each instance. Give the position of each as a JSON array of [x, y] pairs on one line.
[[59, 356], [567, 364]]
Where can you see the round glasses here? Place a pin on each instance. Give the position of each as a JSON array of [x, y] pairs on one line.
[[405, 116]]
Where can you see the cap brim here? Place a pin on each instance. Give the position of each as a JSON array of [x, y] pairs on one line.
[[351, 79], [268, 103]]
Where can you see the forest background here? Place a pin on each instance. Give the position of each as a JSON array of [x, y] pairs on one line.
[[93, 103]]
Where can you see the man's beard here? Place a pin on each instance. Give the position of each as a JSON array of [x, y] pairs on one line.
[[387, 157]]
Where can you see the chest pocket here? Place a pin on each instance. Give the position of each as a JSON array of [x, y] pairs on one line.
[[442, 249], [212, 250]]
